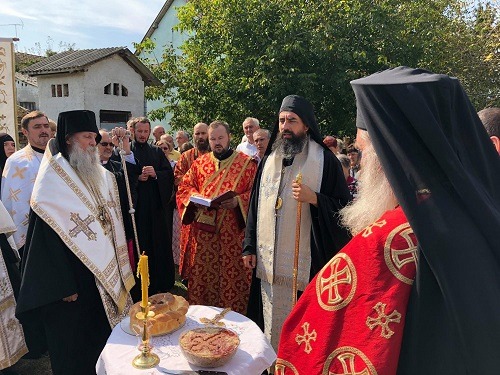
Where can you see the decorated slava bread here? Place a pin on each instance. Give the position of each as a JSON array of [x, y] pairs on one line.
[[209, 346], [170, 314]]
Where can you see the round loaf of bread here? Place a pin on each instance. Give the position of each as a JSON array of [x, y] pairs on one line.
[[170, 314], [209, 346]]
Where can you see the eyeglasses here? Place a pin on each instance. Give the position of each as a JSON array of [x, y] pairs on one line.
[[106, 144]]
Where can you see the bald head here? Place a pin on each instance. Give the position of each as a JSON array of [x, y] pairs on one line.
[[158, 131], [490, 117], [200, 136]]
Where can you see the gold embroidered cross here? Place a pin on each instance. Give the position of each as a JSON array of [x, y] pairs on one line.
[[408, 255], [19, 172], [383, 320], [13, 194], [82, 226], [337, 277], [26, 219], [347, 362], [368, 230], [306, 337]]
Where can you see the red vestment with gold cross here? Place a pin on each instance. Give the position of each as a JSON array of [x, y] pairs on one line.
[[350, 318], [217, 276]]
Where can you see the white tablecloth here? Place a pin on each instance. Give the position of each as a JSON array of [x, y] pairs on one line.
[[254, 354]]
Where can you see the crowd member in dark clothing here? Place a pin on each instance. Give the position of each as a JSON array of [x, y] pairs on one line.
[[7, 148], [154, 190]]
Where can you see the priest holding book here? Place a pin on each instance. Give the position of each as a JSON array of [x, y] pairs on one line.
[[217, 276]]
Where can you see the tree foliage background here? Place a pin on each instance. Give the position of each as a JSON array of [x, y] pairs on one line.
[[244, 56]]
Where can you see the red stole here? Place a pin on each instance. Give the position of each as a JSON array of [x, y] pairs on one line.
[[351, 316]]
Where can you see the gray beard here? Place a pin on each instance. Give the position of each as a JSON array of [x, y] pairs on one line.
[[288, 148], [86, 164]]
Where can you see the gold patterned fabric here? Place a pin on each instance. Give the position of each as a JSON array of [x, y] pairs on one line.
[[350, 319], [217, 276]]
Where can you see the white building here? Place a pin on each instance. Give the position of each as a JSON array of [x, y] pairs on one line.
[[27, 91], [163, 34], [108, 81]]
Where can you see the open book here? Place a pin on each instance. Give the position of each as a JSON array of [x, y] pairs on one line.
[[214, 203]]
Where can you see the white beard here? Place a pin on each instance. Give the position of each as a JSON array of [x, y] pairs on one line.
[[86, 164], [375, 195]]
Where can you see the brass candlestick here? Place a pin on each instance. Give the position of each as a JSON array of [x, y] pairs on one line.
[[146, 359]]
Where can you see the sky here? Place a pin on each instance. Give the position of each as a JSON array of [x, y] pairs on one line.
[[84, 24]]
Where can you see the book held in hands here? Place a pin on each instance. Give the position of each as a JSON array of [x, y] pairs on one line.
[[215, 202]]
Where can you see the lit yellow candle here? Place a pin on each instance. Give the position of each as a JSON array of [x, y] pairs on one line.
[[142, 269]]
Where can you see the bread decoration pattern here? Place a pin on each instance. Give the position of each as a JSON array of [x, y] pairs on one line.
[[170, 314]]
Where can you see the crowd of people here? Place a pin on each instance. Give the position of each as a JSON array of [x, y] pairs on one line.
[[376, 257]]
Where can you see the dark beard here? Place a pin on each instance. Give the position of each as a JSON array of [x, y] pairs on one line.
[[205, 146], [290, 147]]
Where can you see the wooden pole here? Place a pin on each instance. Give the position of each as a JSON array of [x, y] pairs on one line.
[[297, 246]]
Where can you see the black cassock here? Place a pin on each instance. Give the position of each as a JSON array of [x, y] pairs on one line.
[[152, 213], [327, 235], [76, 332]]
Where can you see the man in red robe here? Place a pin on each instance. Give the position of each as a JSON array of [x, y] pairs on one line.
[[217, 276], [201, 147], [363, 290]]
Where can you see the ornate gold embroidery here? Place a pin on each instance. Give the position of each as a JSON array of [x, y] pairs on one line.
[[396, 259], [369, 229], [383, 320], [82, 226], [350, 361], [307, 337], [282, 365], [336, 283]]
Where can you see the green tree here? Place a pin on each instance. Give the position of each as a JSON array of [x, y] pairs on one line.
[[244, 56]]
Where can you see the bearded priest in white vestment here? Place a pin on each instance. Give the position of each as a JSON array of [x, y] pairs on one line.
[[12, 345], [76, 272]]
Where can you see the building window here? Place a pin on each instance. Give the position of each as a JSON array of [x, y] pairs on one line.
[[31, 106], [60, 90], [117, 89]]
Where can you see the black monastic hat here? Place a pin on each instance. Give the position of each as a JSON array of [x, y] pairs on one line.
[[305, 110], [72, 122]]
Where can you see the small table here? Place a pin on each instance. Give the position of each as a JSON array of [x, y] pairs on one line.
[[253, 356]]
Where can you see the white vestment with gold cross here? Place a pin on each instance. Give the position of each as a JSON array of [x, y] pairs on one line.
[[18, 178], [64, 202]]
